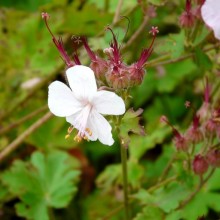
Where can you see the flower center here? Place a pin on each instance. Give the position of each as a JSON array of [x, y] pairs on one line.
[[81, 124]]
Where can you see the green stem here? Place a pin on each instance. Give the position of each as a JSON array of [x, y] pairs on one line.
[[125, 179]]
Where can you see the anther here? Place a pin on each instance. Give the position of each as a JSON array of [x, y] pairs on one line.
[[89, 131], [67, 136], [85, 138], [78, 138], [70, 129]]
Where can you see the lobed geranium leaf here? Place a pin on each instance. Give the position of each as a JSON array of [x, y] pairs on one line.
[[48, 181]]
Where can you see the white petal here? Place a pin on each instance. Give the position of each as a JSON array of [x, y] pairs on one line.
[[103, 128], [61, 100], [211, 15], [108, 103], [82, 82], [93, 129], [72, 119]]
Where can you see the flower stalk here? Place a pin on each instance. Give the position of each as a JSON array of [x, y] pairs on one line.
[[125, 180]]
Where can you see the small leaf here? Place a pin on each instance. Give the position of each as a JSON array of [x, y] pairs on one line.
[[130, 123]]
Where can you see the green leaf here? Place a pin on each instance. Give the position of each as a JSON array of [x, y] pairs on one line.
[[130, 123], [157, 2], [150, 212], [48, 181], [166, 198], [89, 20], [201, 202], [202, 60], [52, 135], [112, 5], [135, 174], [213, 183], [148, 88], [24, 4], [173, 44], [109, 176], [174, 75], [112, 175], [139, 145]]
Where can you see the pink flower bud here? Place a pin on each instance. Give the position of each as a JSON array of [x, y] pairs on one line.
[[136, 75], [100, 68], [180, 142], [187, 18], [118, 78], [194, 133], [210, 126], [200, 165], [213, 157]]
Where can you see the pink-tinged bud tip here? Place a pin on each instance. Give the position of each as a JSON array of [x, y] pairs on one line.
[[163, 119], [188, 5], [187, 104], [154, 31], [45, 15]]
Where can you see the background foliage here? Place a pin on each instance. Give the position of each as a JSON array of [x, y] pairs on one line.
[[48, 177]]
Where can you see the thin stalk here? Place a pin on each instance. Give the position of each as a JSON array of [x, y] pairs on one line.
[[125, 180], [14, 144]]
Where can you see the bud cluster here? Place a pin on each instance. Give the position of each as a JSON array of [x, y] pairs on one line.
[[191, 14], [200, 140], [113, 71]]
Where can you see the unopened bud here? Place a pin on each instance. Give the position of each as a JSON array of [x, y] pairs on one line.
[[118, 78], [181, 143], [213, 157], [136, 75], [187, 19], [194, 134], [99, 67], [200, 165]]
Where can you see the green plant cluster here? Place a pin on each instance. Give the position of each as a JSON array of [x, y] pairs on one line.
[[44, 176]]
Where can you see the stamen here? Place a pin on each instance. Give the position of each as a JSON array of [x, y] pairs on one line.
[[85, 138], [67, 136], [88, 131], [70, 129], [78, 138]]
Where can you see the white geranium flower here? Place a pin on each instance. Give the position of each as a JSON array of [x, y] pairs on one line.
[[211, 15], [82, 105]]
